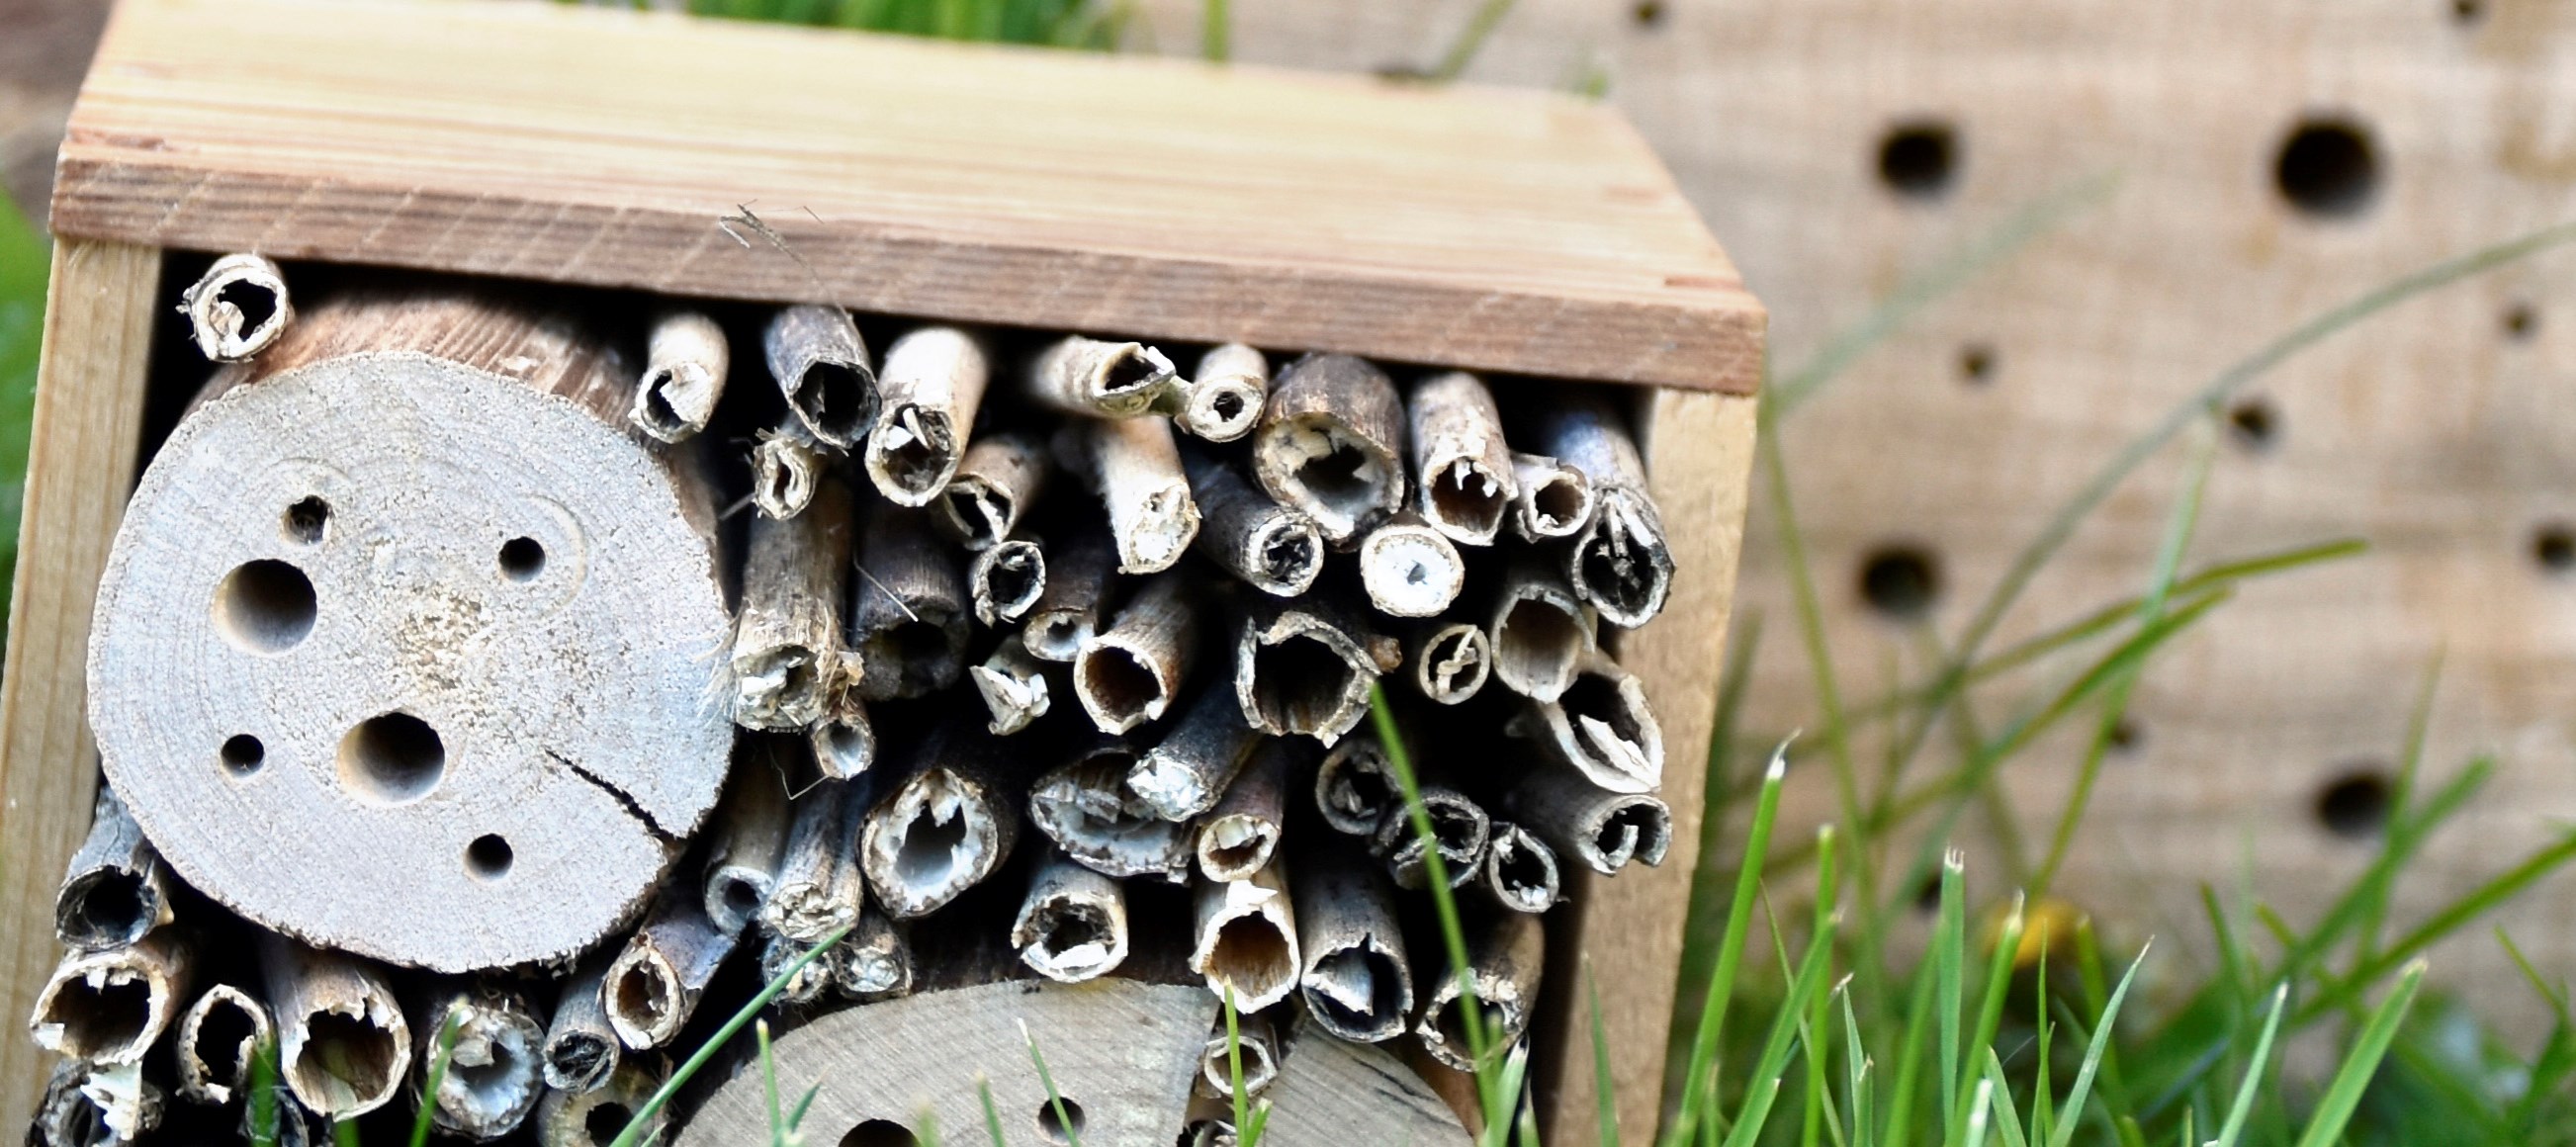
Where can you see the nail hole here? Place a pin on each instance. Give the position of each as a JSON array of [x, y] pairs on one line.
[[1063, 1130], [306, 520], [2253, 423], [880, 1133], [1917, 159], [391, 759], [488, 857], [243, 754], [2328, 167], [522, 558], [2354, 805], [1900, 581], [2554, 547], [1647, 14], [2520, 322], [264, 606], [1976, 363]]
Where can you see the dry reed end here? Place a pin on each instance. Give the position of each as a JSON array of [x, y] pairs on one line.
[[1459, 828], [1246, 940], [1302, 675], [1359, 992], [109, 907], [347, 1059], [1005, 580], [1356, 787], [1086, 808], [912, 453], [1521, 870], [237, 308], [1452, 663], [1621, 563], [495, 1071], [1321, 468], [1410, 570], [1554, 500], [1540, 635], [937, 837]]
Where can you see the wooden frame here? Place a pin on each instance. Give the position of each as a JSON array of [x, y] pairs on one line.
[[1510, 232]]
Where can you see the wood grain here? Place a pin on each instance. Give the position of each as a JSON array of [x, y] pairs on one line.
[[89, 411], [1509, 231]]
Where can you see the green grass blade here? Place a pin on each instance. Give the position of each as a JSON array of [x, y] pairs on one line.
[[441, 1054], [263, 1094], [2326, 1124], [1704, 922], [1471, 40], [2243, 1107], [1999, 968], [1244, 1132], [634, 1129], [1700, 1085], [1055, 1102], [2401, 792], [1216, 32], [1977, 1115], [1811, 1030], [992, 1117], [2007, 1119], [2478, 902], [2072, 1113], [1453, 934], [1806, 986], [1949, 971], [1909, 1059], [344, 1134], [769, 1085]]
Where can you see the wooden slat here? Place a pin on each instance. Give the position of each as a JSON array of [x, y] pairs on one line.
[[89, 413], [1507, 231]]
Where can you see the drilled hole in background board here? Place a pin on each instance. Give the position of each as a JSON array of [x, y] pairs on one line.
[[1900, 581], [2521, 322], [2468, 11], [390, 759], [2354, 805], [1064, 1130], [1927, 895], [2253, 423], [264, 606], [1976, 364], [2553, 546], [1918, 159], [2328, 167], [2125, 736], [880, 1133], [1648, 14]]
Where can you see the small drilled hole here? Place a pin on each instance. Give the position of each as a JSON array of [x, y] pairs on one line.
[[2253, 423], [1976, 364], [2554, 547], [1064, 1130], [265, 606], [1648, 14], [1900, 581], [391, 759], [306, 520], [488, 857], [243, 754], [1918, 159], [880, 1133], [2328, 167], [522, 558], [2126, 736], [2468, 11], [2520, 322], [2354, 805]]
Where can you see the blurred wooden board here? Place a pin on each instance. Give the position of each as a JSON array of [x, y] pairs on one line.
[[1493, 229]]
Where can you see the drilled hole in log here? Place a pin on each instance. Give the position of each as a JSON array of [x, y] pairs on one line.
[[2520, 322], [1120, 684], [1302, 682], [1648, 14], [488, 857], [1060, 1129], [100, 1017], [344, 1058], [2354, 805], [2126, 735], [605, 1121], [264, 606], [242, 754], [307, 520], [391, 759], [522, 559], [880, 1133], [1900, 581], [1918, 159]]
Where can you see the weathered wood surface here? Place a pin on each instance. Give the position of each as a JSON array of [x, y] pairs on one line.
[[1332, 1094]]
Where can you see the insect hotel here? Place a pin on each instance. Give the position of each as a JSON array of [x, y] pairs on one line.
[[556, 523]]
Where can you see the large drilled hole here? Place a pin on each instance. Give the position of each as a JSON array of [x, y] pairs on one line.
[[1468, 498], [880, 1133], [345, 1059], [242, 754], [264, 606], [2328, 167], [1301, 682], [100, 1018], [1064, 1128], [522, 558], [1119, 683], [1918, 159], [391, 759], [306, 521], [488, 857], [2354, 805], [1900, 581], [2553, 547], [834, 398], [605, 1122], [1251, 955]]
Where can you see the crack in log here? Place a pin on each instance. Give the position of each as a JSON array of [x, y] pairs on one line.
[[629, 803]]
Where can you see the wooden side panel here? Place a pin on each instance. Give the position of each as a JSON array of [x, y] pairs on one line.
[[80, 465], [1699, 448]]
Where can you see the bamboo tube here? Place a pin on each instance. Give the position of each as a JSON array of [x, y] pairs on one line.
[[237, 308], [1356, 786], [788, 666], [1259, 1039], [1130, 673], [874, 962], [343, 1045], [1520, 869], [1068, 611], [493, 1077], [685, 363], [655, 983], [807, 986], [1013, 684], [218, 1037], [1223, 400], [1072, 925], [1504, 959], [1540, 633], [1459, 827], [1134, 469], [999, 478], [1189, 771], [1620, 562], [745, 843], [1555, 500], [594, 1118], [909, 623], [821, 365], [1409, 569], [1449, 661], [947, 827], [844, 743], [1331, 445], [1603, 728], [1240, 835], [932, 383], [1086, 808], [94, 1105], [1467, 481], [1006, 580], [1603, 829], [820, 887], [116, 888], [110, 1007], [582, 1049], [1305, 668], [1356, 982], [1247, 939], [786, 468], [1085, 376], [1271, 547]]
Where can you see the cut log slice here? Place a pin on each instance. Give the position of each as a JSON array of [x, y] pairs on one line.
[[401, 608]]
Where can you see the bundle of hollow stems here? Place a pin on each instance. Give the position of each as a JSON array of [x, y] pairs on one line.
[[1045, 647]]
